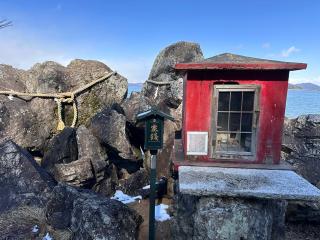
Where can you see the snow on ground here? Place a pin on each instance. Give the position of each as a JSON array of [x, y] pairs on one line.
[[161, 213], [124, 198], [35, 229], [47, 237], [146, 187]]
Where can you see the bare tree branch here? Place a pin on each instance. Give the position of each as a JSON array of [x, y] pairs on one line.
[[5, 23]]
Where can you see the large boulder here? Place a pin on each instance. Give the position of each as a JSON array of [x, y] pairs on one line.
[[22, 180], [164, 89], [90, 148], [301, 146], [163, 72], [104, 94], [301, 149], [91, 216], [78, 173], [109, 184], [76, 157], [19, 123], [30, 122], [109, 126], [62, 148]]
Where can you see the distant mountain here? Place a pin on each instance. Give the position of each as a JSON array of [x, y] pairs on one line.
[[309, 86], [305, 86], [292, 86], [135, 84]]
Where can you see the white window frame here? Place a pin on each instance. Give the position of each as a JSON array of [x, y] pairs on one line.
[[238, 155]]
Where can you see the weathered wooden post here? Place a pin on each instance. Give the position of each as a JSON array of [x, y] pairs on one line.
[[153, 140]]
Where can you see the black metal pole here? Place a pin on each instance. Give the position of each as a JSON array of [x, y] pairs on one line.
[[153, 173]]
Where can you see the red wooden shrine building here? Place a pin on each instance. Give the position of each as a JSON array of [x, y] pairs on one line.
[[233, 110]]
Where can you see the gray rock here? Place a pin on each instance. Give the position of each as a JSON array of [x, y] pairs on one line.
[[175, 53], [19, 123], [59, 207], [47, 77], [135, 182], [168, 97], [163, 71], [78, 173], [90, 216], [305, 212], [10, 78], [31, 122], [22, 181], [17, 224], [108, 185], [109, 126], [301, 146], [135, 104], [62, 149], [228, 218], [90, 148], [105, 94]]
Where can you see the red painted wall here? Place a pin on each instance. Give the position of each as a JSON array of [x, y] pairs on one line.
[[198, 93]]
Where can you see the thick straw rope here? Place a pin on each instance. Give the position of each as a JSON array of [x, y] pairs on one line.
[[64, 97]]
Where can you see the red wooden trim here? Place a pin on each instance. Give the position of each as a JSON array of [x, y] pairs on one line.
[[241, 66]]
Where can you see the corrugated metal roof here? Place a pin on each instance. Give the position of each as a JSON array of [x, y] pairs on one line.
[[234, 61]]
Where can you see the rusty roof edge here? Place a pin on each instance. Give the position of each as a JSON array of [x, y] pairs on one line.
[[242, 66]]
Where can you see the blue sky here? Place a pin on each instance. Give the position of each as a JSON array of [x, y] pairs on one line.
[[127, 35]]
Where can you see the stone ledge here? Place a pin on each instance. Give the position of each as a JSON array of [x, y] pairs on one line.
[[246, 183]]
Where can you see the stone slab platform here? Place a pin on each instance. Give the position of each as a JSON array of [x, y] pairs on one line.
[[246, 183]]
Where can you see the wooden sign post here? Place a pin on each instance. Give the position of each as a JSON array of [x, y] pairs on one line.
[[153, 140]]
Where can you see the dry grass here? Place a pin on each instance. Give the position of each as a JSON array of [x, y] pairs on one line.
[[18, 223]]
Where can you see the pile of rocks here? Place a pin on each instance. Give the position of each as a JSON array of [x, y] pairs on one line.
[[102, 154]]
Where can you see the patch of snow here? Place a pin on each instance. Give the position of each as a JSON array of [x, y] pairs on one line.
[[10, 97], [35, 229], [161, 213], [146, 187], [47, 237], [124, 198]]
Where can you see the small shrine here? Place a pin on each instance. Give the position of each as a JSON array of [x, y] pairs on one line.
[[233, 112], [227, 157]]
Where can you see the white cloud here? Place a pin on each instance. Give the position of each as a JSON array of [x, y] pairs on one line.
[[289, 51], [23, 51], [266, 45]]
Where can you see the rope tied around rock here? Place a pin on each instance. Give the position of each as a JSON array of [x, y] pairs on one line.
[[158, 83], [60, 98]]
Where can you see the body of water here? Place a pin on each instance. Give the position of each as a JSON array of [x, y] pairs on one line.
[[299, 102]]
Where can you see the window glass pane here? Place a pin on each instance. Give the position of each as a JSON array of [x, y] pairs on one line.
[[222, 121], [245, 145], [235, 101], [246, 122], [222, 142], [224, 98], [248, 100], [234, 124], [234, 142]]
